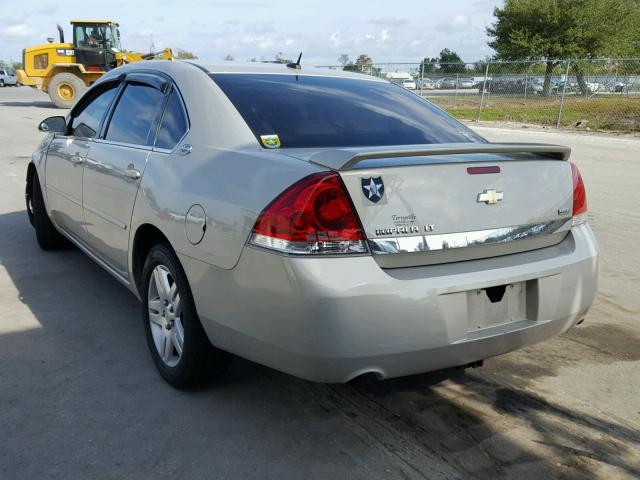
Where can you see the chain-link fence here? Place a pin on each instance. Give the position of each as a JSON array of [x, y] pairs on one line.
[[598, 94]]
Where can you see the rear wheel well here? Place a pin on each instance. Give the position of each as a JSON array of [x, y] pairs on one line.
[[146, 237]]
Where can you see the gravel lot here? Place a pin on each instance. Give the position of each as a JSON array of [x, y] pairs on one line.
[[80, 398]]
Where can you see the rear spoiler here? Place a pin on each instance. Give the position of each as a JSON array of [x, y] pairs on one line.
[[347, 158]]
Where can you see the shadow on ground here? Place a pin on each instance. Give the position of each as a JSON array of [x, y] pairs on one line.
[[26, 103], [81, 399]]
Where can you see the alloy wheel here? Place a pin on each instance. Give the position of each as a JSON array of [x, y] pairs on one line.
[[165, 315]]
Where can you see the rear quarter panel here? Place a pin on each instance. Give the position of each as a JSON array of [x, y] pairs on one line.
[[232, 188], [227, 173]]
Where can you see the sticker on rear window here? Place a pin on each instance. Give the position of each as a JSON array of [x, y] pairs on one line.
[[270, 141]]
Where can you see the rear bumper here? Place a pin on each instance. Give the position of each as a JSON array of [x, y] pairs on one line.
[[333, 319]]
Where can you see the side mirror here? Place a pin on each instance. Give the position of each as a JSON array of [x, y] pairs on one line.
[[53, 125]]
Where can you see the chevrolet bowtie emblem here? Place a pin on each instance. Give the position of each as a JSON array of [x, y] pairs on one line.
[[490, 197]]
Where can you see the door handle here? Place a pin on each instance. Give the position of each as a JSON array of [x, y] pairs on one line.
[[77, 159], [132, 173]]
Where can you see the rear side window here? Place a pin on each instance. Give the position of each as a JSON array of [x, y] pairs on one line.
[[316, 111], [174, 123], [136, 115], [86, 122]]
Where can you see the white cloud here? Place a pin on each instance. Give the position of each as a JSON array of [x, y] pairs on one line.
[[19, 30], [259, 41], [384, 35], [389, 22], [260, 27], [457, 23], [46, 10], [335, 40]]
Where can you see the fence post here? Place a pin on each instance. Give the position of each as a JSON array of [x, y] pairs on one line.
[[484, 85], [564, 88], [526, 80], [455, 98]]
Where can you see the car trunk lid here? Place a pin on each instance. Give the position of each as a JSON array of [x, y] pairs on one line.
[[443, 203]]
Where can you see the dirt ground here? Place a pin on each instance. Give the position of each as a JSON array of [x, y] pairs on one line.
[[79, 396]]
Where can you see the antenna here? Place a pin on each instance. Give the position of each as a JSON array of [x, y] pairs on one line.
[[296, 65]]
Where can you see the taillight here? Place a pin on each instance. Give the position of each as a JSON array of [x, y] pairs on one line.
[[579, 197], [313, 216]]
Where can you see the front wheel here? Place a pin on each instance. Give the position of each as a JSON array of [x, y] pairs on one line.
[[1, 83], [178, 344], [65, 89]]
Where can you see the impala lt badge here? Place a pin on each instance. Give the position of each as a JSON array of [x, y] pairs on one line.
[[490, 197]]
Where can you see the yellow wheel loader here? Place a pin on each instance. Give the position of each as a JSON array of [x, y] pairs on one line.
[[67, 70]]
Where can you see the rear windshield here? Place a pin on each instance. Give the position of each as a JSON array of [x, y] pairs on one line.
[[315, 111]]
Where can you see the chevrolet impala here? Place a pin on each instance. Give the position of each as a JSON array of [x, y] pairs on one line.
[[323, 223]]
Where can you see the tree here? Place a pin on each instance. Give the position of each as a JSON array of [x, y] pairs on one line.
[[184, 54], [427, 66], [279, 58], [560, 29], [228, 58], [364, 63], [449, 56], [344, 59], [450, 62]]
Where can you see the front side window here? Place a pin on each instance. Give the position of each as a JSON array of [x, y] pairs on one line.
[[136, 115], [174, 123], [317, 111], [95, 36], [86, 122]]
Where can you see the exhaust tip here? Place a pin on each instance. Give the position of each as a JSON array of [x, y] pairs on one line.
[[369, 376]]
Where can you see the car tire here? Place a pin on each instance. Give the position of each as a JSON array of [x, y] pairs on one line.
[[48, 237], [65, 89], [1, 83], [176, 339]]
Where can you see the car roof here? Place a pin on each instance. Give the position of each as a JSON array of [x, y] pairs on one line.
[[278, 68], [181, 67]]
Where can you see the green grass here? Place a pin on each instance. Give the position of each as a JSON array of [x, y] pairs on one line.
[[612, 113]]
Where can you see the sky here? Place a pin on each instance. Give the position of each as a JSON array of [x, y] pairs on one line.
[[388, 31]]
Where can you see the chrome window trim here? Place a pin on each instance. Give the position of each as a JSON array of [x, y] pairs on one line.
[[447, 241]]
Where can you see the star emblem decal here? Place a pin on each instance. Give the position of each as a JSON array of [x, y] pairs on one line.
[[372, 188]]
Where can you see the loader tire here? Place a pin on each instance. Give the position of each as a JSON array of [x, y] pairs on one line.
[[65, 89]]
